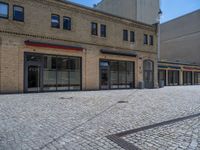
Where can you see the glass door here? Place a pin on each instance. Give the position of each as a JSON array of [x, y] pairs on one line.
[[34, 73], [148, 74]]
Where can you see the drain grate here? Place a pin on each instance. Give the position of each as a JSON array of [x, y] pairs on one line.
[[66, 98], [122, 102]]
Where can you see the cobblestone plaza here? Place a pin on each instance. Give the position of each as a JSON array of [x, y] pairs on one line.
[[87, 120]]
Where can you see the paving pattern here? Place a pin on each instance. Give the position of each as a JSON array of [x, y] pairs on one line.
[[181, 135], [83, 120]]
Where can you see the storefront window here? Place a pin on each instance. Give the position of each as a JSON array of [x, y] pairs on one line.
[[114, 74], [122, 75], [62, 74], [187, 78], [173, 77], [74, 69], [130, 75], [59, 73], [162, 76], [49, 74], [197, 78], [119, 74]]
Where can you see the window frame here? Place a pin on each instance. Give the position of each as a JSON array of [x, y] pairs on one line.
[[103, 30], [125, 38], [14, 13], [132, 36], [96, 32], [145, 41], [58, 21], [70, 19], [7, 17], [151, 40]]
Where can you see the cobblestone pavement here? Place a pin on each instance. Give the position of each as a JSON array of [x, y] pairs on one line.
[[83, 120], [181, 135]]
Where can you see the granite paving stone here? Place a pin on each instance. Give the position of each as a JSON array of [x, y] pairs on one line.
[[83, 120]]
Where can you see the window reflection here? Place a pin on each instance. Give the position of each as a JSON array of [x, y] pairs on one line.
[[58, 72], [120, 74], [49, 74]]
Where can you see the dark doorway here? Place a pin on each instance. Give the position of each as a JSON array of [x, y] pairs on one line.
[[148, 67], [34, 76]]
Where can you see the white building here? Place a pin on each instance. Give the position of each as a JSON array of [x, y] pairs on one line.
[[146, 11], [180, 39]]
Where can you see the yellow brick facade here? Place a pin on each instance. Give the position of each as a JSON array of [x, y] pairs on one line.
[[37, 27]]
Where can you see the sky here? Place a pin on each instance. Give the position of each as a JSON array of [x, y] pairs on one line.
[[171, 8]]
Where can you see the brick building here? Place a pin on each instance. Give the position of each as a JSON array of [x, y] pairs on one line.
[[53, 45]]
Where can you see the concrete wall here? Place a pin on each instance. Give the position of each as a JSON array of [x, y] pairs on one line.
[[147, 11], [141, 10], [180, 39], [123, 8], [37, 27]]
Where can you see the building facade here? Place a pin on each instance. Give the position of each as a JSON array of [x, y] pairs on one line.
[[180, 39], [53, 45], [174, 74], [180, 51], [146, 11]]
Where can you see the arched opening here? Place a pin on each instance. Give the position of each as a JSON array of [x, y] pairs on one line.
[[148, 71]]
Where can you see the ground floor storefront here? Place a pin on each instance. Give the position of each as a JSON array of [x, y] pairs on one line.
[[173, 74], [46, 66], [51, 73]]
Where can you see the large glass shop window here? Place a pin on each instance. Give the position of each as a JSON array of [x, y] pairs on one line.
[[197, 78], [187, 78], [120, 74], [59, 73], [49, 73], [173, 77], [114, 74], [74, 71], [162, 76]]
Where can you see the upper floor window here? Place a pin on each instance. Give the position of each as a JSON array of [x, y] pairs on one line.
[[151, 41], [4, 9], [125, 35], [132, 36], [145, 39], [103, 30], [67, 23], [55, 21], [18, 13], [94, 28]]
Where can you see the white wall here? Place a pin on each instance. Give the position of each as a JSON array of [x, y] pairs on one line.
[[140, 10], [180, 39]]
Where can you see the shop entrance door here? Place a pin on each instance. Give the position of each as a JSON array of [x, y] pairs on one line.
[[33, 78], [148, 74]]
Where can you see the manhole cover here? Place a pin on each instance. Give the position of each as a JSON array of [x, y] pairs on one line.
[[121, 102]]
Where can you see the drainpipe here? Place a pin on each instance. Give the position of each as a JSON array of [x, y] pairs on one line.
[[158, 34]]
